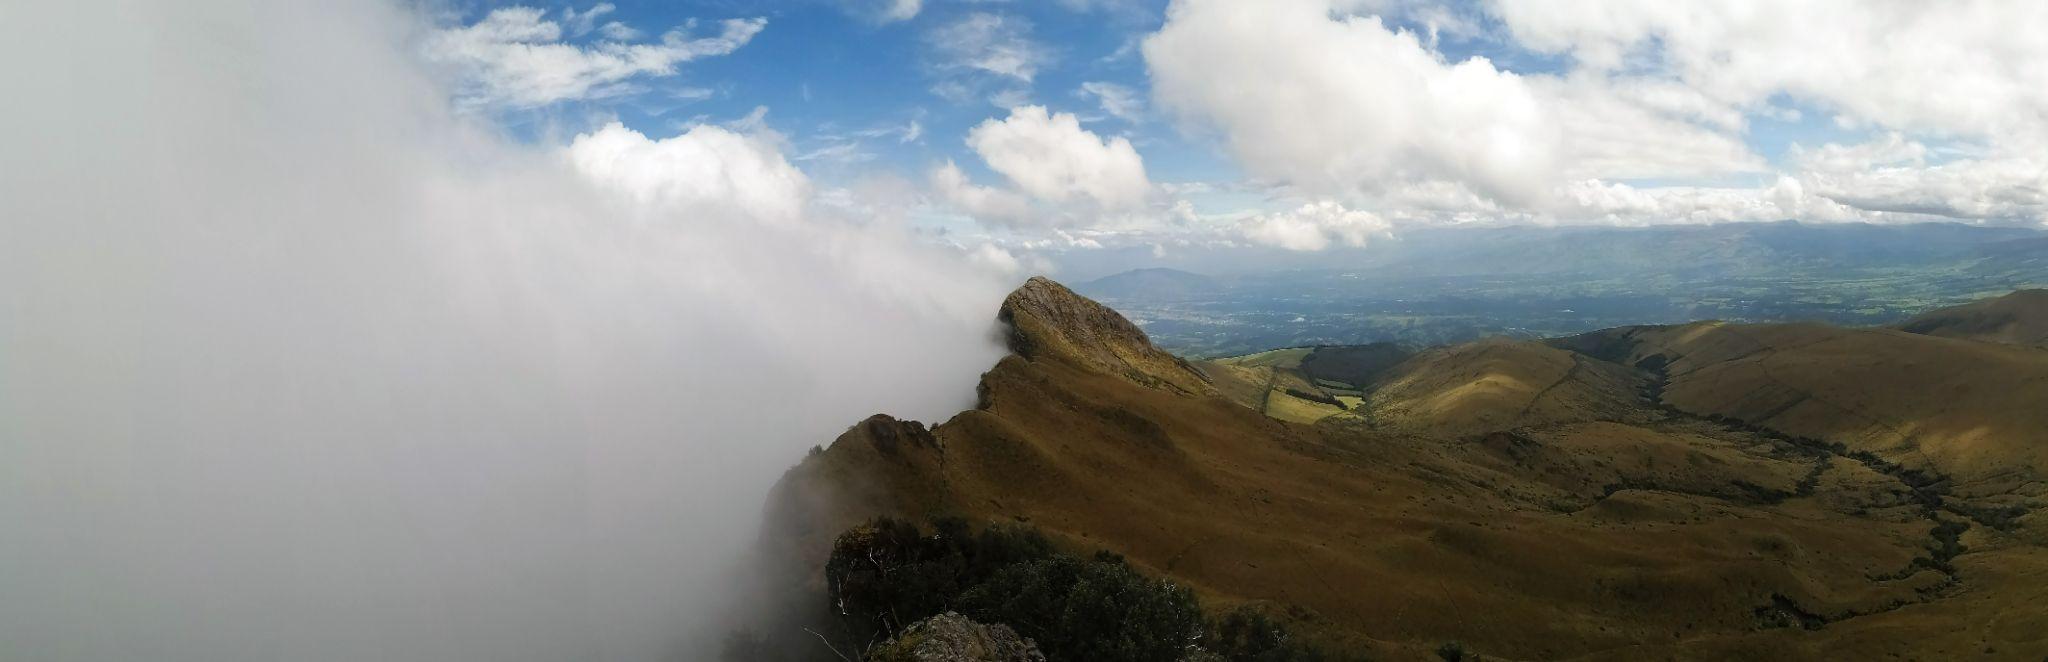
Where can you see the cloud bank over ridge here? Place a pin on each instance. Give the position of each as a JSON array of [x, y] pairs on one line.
[[301, 362]]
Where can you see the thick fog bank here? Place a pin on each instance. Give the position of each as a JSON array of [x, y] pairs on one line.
[[298, 363]]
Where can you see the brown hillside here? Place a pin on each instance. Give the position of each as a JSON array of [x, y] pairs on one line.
[[1500, 384], [1971, 411], [1583, 518], [2020, 318]]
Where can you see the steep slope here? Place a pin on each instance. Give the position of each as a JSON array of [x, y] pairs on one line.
[[1049, 321], [2020, 318], [1662, 534]]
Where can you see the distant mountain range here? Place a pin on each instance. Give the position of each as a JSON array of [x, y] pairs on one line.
[[1433, 286]]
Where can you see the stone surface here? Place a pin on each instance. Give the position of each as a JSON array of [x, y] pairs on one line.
[[950, 637]]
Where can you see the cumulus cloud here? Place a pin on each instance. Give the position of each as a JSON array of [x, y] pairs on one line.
[[1049, 156], [2010, 189], [515, 57], [987, 204], [1632, 128], [1343, 104], [705, 168], [1315, 226], [1972, 68], [302, 363], [1323, 99]]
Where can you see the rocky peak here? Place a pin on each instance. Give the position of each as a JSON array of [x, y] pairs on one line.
[[1050, 322], [891, 436]]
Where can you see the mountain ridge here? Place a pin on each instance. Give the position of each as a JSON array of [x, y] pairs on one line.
[[1671, 524], [2019, 318]]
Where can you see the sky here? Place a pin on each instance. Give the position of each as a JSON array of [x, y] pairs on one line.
[[1027, 132], [444, 331]]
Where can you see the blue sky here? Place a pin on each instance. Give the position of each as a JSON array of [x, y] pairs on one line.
[[1306, 124], [827, 72]]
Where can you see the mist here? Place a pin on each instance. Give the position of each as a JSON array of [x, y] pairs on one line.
[[299, 362]]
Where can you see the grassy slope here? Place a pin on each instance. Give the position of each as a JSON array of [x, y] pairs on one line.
[[2020, 318], [1598, 528]]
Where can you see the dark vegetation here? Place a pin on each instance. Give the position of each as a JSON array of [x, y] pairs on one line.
[[1316, 397], [888, 574]]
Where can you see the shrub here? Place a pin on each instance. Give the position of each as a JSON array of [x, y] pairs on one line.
[[1246, 634], [887, 574], [1090, 610]]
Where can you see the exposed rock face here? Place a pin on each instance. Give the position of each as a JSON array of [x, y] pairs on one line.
[[890, 436], [1050, 322], [950, 637]]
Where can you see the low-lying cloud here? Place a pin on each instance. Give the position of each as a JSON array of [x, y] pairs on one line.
[[298, 363]]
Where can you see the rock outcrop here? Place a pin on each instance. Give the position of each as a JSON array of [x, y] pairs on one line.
[[1050, 322], [950, 637]]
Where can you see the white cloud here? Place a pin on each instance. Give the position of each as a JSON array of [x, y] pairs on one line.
[[1003, 261], [1117, 100], [2004, 189], [706, 168], [487, 401], [514, 57], [993, 44], [1343, 105], [690, 94], [883, 12], [1323, 101], [1052, 158], [902, 10], [581, 23], [987, 204], [1970, 68], [904, 133], [1621, 204], [1631, 128], [617, 31], [1315, 226], [1009, 98]]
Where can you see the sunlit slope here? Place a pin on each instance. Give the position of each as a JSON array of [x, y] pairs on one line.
[[1975, 412], [1585, 528], [2020, 318], [1304, 384], [1498, 384]]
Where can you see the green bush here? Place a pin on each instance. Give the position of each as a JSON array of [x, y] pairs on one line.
[[1246, 634], [887, 574], [1096, 609]]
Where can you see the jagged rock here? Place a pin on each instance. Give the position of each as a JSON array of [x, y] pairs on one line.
[[889, 435], [950, 637], [1050, 322]]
